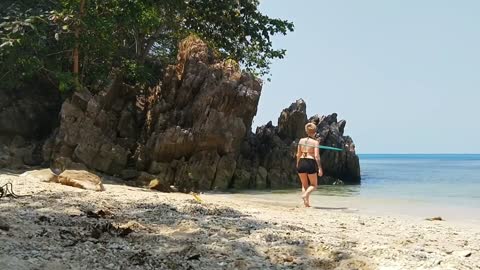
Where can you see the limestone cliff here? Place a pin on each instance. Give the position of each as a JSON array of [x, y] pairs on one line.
[[268, 156], [192, 130]]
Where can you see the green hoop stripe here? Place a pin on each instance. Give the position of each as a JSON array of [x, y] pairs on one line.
[[322, 147]]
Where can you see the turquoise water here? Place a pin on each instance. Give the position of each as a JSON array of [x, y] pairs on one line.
[[441, 179], [418, 186]]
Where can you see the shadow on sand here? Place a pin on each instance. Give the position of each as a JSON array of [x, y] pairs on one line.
[[77, 229]]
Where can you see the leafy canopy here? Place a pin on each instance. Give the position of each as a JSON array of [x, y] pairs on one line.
[[37, 38]]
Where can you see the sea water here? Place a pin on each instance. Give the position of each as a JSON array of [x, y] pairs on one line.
[[424, 186], [446, 185], [440, 179]]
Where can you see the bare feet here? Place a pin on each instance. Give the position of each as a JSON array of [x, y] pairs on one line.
[[305, 200]]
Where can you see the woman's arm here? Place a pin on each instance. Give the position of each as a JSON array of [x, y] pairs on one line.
[[317, 158], [299, 153]]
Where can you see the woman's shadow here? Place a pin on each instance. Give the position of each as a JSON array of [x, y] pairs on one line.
[[331, 208]]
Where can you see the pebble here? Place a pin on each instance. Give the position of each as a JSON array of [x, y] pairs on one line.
[[462, 253], [4, 226]]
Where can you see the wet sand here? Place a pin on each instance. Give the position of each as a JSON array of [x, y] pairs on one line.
[[61, 227], [328, 200]]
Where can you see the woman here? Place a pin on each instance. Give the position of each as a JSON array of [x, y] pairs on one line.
[[308, 163]]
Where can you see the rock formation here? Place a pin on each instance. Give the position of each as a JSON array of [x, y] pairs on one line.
[[268, 156], [27, 116], [186, 131], [191, 131], [98, 132], [74, 178]]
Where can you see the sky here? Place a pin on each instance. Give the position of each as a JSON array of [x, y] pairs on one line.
[[405, 75]]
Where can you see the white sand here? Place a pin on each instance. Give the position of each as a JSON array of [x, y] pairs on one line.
[[51, 230]]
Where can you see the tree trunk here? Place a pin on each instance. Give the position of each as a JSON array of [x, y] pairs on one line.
[[75, 49]]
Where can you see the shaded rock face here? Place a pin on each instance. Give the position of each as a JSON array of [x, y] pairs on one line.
[[344, 165], [182, 130], [27, 116], [197, 120], [271, 151], [291, 123], [98, 131]]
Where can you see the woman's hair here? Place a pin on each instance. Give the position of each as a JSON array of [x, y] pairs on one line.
[[310, 129]]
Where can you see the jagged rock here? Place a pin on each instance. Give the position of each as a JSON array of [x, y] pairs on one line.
[[94, 131], [241, 179], [60, 164], [178, 130], [291, 123], [199, 115], [128, 174], [261, 178], [343, 165], [80, 179], [225, 169], [274, 149]]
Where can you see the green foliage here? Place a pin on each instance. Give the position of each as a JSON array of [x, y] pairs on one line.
[[38, 37], [66, 81]]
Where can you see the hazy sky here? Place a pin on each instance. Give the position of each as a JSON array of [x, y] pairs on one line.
[[404, 74]]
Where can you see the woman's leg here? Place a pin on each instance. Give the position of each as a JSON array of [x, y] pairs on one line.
[[304, 179], [313, 185]]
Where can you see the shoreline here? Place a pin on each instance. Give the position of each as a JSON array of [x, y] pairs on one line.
[[61, 227], [375, 206]]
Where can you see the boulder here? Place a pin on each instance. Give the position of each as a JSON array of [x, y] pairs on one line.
[[160, 185], [44, 175], [80, 179]]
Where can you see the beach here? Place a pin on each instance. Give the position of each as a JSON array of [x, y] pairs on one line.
[[61, 227]]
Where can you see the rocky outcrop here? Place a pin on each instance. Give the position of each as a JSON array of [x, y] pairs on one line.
[[27, 116], [268, 156], [291, 123], [343, 165], [98, 131], [191, 131], [186, 131], [197, 119]]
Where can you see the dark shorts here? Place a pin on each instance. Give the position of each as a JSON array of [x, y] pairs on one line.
[[307, 165]]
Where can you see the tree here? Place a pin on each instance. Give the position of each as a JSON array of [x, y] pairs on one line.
[[46, 38]]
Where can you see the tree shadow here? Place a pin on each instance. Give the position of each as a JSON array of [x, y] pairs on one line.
[[78, 229]]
